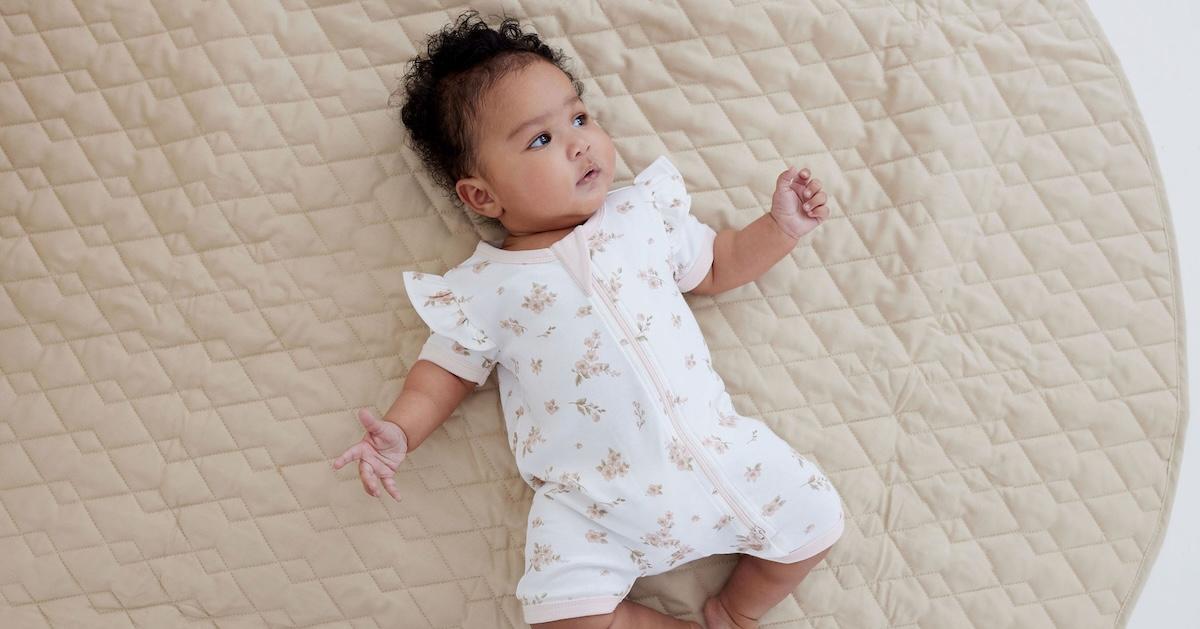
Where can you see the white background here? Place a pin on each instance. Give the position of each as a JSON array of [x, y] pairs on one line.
[[1158, 45]]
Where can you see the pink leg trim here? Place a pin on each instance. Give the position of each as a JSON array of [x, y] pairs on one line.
[[817, 545], [545, 612]]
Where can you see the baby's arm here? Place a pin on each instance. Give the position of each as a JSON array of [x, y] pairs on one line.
[[742, 255], [430, 394]]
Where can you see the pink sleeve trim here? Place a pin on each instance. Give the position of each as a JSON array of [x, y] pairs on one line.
[[445, 358], [703, 262], [822, 542], [545, 612]]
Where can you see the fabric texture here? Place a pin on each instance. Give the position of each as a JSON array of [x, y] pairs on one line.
[[617, 420], [206, 208]]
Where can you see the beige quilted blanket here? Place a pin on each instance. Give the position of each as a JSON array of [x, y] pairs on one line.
[[205, 208]]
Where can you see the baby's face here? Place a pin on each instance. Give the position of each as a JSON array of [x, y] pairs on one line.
[[533, 165]]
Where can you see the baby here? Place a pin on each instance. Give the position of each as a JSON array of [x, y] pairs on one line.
[[637, 459]]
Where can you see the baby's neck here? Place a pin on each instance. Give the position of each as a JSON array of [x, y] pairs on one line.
[[535, 240]]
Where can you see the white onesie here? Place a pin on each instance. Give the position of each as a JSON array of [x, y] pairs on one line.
[[618, 422]]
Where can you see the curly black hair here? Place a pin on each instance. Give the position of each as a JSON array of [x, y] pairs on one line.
[[442, 92]]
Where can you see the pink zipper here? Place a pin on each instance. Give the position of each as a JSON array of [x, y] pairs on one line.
[[758, 532]]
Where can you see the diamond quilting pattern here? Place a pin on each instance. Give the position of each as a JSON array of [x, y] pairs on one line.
[[205, 208]]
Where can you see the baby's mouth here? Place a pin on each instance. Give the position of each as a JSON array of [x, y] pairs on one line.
[[589, 177]]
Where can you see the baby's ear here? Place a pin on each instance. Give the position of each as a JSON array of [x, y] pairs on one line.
[[475, 194]]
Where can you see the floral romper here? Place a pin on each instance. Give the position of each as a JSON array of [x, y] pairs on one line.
[[618, 422]]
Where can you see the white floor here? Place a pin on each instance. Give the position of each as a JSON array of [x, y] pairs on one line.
[[1158, 44]]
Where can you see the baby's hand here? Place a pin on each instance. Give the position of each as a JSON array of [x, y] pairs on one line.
[[379, 454], [798, 204]]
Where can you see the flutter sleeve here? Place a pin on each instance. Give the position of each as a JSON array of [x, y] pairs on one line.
[[455, 343], [690, 242]]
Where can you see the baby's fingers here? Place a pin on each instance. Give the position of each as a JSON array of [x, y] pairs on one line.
[[815, 202], [806, 189], [389, 483], [351, 453], [369, 480]]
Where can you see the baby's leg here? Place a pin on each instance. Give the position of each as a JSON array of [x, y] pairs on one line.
[[755, 586], [627, 615]]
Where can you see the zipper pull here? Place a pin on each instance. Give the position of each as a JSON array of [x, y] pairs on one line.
[[759, 533]]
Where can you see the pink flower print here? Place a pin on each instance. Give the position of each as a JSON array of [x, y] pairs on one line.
[[689, 361], [596, 512], [654, 490], [535, 436], [536, 522], [533, 600], [746, 543], [681, 551], [725, 519], [613, 466], [543, 555], [590, 365], [716, 443], [567, 481], [514, 325], [513, 446], [662, 537], [597, 241], [643, 324], [676, 270], [639, 559], [676, 320], [583, 311], [613, 284], [753, 472], [818, 482], [771, 507], [417, 275], [668, 225], [459, 349], [539, 298], [535, 364], [753, 435], [551, 407], [596, 537], [588, 408], [725, 419], [444, 297], [799, 459], [547, 332], [640, 413], [478, 267], [578, 445], [650, 276], [679, 455], [808, 529], [695, 518], [499, 290], [624, 207]]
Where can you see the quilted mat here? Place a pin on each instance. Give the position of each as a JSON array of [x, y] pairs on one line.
[[206, 207]]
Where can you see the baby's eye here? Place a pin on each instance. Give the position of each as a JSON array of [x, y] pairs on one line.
[[547, 135]]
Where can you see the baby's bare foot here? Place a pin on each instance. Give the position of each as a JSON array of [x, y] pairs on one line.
[[716, 616]]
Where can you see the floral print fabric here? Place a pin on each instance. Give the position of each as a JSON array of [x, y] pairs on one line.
[[615, 417]]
